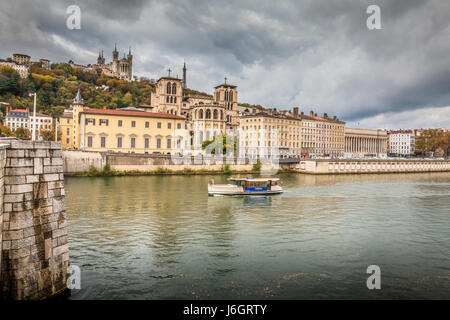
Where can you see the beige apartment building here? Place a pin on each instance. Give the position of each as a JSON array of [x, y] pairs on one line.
[[322, 136], [128, 131], [269, 135]]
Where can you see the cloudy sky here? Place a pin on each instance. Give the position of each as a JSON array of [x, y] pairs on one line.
[[314, 54]]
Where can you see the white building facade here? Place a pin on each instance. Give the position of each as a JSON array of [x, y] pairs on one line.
[[402, 143], [22, 118]]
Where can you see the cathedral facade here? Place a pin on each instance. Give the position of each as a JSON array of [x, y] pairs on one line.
[[119, 68], [206, 115]]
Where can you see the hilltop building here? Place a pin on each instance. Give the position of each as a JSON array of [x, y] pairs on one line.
[[119, 68], [22, 63]]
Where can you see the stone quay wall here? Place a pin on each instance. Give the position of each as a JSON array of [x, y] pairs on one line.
[[370, 166], [33, 235], [76, 161]]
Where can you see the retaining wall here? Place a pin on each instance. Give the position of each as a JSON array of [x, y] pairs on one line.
[[370, 166], [33, 237]]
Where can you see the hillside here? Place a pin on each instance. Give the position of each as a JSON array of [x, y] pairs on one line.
[[57, 87]]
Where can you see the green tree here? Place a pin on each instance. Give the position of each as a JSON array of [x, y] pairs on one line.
[[22, 133], [223, 139], [5, 131]]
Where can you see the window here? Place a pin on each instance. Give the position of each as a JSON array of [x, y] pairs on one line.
[[147, 124], [169, 143], [104, 121], [90, 141], [103, 142], [119, 123], [119, 141], [133, 124], [158, 143], [90, 121], [169, 126], [67, 140], [68, 131], [159, 125], [133, 142], [179, 126], [146, 143]]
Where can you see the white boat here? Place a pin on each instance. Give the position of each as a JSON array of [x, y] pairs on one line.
[[246, 186]]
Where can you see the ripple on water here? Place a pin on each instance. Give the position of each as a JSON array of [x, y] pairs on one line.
[[163, 237]]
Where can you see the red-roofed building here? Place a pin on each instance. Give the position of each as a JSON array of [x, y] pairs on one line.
[[128, 130]]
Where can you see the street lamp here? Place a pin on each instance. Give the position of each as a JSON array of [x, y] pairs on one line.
[[34, 117], [56, 129]]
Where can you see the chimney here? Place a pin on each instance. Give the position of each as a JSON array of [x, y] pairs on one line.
[[334, 118], [296, 112], [302, 113], [325, 115], [104, 107], [315, 114]]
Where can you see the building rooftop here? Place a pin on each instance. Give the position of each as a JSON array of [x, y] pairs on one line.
[[139, 113], [226, 85]]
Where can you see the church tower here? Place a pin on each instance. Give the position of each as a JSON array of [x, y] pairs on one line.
[[184, 76], [115, 62], [100, 59], [130, 64], [226, 95]]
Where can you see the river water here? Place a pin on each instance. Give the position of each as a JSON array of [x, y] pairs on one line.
[[162, 237]]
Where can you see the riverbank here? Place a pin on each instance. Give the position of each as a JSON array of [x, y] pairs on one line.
[[108, 172], [80, 163]]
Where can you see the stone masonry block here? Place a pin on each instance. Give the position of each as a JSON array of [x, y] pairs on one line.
[[42, 144], [51, 177], [32, 178], [53, 169], [60, 250], [21, 188], [13, 198], [15, 153], [20, 162], [18, 171], [38, 166], [15, 180]]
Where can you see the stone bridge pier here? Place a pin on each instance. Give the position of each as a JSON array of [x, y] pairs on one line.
[[33, 237]]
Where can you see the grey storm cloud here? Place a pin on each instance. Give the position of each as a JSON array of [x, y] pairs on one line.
[[315, 54]]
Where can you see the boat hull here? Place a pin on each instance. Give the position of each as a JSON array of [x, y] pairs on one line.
[[230, 190], [244, 193]]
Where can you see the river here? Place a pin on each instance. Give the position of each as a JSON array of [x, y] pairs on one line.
[[162, 237]]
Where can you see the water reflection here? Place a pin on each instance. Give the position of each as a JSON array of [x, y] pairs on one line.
[[163, 237]]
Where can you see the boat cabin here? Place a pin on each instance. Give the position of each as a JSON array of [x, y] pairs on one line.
[[255, 184]]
